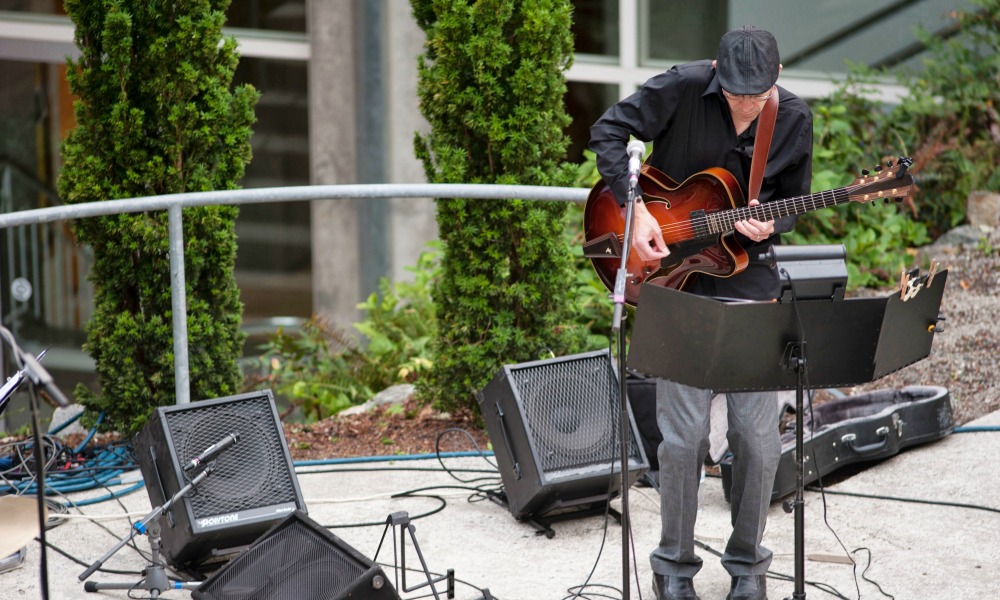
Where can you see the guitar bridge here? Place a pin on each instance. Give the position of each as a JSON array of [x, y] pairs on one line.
[[605, 246]]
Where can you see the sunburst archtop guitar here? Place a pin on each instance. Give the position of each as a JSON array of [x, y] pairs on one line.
[[697, 218]]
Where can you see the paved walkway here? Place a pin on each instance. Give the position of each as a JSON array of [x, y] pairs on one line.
[[915, 550]]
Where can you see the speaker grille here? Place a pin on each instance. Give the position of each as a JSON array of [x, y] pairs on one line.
[[571, 411], [251, 473]]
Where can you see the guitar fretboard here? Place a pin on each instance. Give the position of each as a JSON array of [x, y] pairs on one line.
[[724, 221]]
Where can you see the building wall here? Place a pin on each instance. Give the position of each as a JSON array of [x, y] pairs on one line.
[[333, 157], [356, 242]]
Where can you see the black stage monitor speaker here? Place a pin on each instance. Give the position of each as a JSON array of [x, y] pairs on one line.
[[554, 428], [298, 560], [252, 487]]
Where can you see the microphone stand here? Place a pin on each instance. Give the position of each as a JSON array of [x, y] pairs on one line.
[[39, 451], [155, 578], [618, 317]]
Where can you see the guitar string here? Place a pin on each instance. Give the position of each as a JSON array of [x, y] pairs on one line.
[[731, 216]]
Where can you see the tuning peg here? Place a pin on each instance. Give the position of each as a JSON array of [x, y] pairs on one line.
[[878, 168], [865, 171], [889, 164]]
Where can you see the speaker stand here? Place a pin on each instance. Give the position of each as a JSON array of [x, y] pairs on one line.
[[543, 523], [402, 521], [155, 581]]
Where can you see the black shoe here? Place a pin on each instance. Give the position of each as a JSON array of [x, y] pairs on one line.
[[748, 587], [673, 588]]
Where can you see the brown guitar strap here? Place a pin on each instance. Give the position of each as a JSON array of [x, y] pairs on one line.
[[762, 144]]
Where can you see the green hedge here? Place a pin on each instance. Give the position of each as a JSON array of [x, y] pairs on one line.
[[491, 85], [156, 115]]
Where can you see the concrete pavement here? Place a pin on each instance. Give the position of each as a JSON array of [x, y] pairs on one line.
[[916, 550]]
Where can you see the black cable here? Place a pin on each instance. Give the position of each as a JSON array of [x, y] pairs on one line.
[[580, 589], [408, 494], [579, 593], [865, 572], [819, 480], [437, 451], [824, 587], [480, 493], [391, 469], [812, 429], [102, 484], [83, 564], [911, 500]]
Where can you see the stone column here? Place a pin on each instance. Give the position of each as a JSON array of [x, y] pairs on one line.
[[363, 113], [413, 220], [333, 154]]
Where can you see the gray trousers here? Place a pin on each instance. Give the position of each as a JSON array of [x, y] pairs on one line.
[[682, 414]]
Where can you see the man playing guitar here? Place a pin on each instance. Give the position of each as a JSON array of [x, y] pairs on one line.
[[698, 116]]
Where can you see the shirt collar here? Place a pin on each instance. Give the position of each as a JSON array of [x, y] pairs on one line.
[[713, 87]]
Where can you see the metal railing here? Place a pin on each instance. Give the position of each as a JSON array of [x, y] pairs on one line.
[[175, 203]]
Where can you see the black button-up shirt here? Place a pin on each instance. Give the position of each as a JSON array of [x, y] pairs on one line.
[[685, 115]]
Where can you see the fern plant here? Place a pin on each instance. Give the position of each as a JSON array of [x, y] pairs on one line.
[[322, 369]]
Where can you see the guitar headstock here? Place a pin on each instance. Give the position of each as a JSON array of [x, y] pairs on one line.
[[890, 182]]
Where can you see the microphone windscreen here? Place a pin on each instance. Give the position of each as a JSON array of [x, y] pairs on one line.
[[636, 147]]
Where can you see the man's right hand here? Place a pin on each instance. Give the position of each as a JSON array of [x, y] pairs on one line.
[[648, 238]]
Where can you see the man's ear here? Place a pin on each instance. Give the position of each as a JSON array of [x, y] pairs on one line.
[[714, 62]]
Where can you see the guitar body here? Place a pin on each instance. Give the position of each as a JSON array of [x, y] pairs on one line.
[[672, 205]]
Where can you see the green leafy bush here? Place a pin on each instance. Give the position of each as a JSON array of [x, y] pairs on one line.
[[323, 370], [876, 235], [951, 115]]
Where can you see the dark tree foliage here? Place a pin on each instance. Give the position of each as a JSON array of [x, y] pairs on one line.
[[491, 85], [156, 114]]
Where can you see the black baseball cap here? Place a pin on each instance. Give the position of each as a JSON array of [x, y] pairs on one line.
[[747, 63]]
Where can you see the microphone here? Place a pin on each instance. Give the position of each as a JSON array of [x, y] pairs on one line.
[[37, 374], [635, 150], [213, 451]]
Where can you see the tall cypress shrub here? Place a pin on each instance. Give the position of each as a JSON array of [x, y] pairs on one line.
[[491, 85], [156, 114]]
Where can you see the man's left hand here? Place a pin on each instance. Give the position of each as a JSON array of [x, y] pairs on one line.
[[754, 229]]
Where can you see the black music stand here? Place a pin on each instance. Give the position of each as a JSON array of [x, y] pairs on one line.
[[761, 346]]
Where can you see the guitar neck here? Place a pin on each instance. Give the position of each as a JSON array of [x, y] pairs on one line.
[[724, 221]]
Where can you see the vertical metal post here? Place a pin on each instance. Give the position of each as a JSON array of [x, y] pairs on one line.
[[178, 304], [6, 204], [374, 241]]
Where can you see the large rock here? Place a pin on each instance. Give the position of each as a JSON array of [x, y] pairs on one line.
[[983, 209], [396, 394], [65, 420]]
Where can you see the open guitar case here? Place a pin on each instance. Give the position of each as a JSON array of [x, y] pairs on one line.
[[854, 429]]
